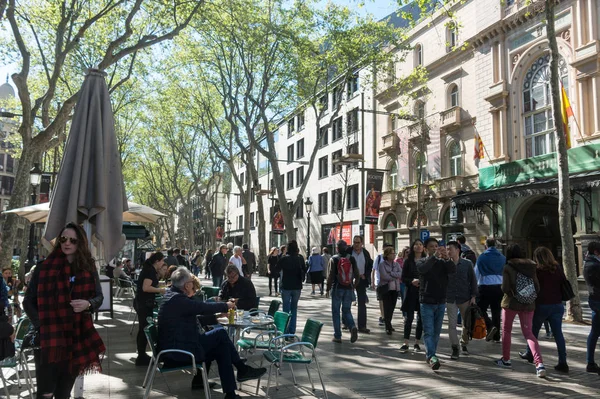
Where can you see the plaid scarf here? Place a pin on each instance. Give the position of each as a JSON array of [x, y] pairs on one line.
[[64, 334]]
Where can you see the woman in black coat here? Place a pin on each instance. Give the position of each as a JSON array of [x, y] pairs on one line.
[[410, 302], [272, 270]]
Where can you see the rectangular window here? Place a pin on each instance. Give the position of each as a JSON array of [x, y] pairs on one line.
[[322, 204], [299, 176], [252, 195], [10, 164], [336, 200], [352, 85], [1, 162], [290, 180], [352, 121], [323, 169], [337, 97], [291, 127], [300, 212], [337, 129], [290, 153], [352, 201], [300, 149], [301, 121], [242, 179], [324, 102], [324, 134], [251, 220], [335, 167], [240, 222]]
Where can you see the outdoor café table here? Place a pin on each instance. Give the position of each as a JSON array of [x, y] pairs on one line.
[[235, 328]]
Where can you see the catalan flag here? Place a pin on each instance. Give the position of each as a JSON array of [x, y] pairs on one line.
[[566, 112], [477, 149]]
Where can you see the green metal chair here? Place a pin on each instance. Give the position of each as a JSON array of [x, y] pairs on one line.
[[21, 330], [262, 340], [210, 291], [294, 353], [155, 363], [274, 307]]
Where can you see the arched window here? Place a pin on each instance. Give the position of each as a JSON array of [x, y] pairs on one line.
[[420, 162], [537, 106], [393, 180], [455, 157], [390, 222], [454, 96], [418, 55], [419, 109]]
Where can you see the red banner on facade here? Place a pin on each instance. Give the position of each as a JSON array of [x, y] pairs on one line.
[[278, 226], [334, 234]]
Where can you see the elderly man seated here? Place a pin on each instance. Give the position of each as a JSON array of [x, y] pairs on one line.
[[239, 288], [178, 328]]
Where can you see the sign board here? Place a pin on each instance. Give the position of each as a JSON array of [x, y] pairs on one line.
[[424, 234]]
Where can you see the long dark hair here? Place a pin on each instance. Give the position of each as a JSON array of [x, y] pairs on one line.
[[411, 254], [155, 257], [545, 260], [83, 257]]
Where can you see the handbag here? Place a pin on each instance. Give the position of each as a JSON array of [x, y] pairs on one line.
[[382, 290], [566, 290]]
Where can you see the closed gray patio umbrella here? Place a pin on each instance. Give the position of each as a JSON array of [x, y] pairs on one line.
[[89, 185]]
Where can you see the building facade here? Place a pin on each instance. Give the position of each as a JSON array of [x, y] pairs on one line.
[[488, 77]]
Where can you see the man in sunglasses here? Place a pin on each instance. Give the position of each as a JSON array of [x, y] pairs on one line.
[[238, 287]]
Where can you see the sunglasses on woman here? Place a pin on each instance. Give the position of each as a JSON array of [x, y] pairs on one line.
[[64, 239]]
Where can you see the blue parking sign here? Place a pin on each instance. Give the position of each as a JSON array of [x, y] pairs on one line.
[[424, 234]]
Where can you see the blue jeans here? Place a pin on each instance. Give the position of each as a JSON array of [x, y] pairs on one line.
[[217, 281], [554, 315], [341, 297], [595, 331], [432, 316], [290, 305]]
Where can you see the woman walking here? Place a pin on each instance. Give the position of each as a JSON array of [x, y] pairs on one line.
[[207, 258], [316, 265], [389, 286], [63, 293], [410, 302], [292, 274], [548, 305], [520, 286], [147, 288], [272, 271]]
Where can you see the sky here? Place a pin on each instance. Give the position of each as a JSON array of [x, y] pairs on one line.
[[378, 8]]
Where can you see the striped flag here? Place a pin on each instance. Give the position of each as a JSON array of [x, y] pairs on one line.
[[477, 149], [566, 112]]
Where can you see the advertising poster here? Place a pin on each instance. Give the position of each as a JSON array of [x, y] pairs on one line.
[[278, 226], [373, 196], [45, 189], [332, 232], [220, 230]]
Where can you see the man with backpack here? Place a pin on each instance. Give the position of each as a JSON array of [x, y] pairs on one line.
[[462, 292], [343, 278], [375, 280]]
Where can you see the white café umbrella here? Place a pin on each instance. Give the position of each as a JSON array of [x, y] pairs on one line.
[[38, 213]]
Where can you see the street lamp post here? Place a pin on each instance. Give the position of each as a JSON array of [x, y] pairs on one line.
[[229, 230], [308, 206], [35, 176]]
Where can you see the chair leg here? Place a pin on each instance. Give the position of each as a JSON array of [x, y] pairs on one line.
[[293, 375], [28, 378], [150, 382], [205, 379], [134, 319], [268, 381], [4, 383], [321, 377], [277, 377], [309, 378], [148, 371]]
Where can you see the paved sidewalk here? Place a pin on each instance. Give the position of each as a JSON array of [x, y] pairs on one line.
[[371, 368]]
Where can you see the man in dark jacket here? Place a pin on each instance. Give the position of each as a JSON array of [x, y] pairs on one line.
[[488, 270], [342, 295], [250, 267], [178, 329], [238, 287], [466, 251], [181, 260], [591, 273], [462, 292], [171, 260], [217, 265], [364, 262], [434, 274]]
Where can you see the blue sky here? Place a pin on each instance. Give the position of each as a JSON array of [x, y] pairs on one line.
[[378, 8]]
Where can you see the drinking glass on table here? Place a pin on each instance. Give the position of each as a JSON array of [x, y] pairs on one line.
[[239, 314]]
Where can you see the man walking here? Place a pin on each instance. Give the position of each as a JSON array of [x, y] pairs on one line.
[[591, 272], [488, 270], [433, 284], [171, 260], [364, 263], [250, 267], [462, 292], [343, 278]]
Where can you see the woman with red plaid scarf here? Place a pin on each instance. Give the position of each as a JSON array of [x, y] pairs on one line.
[[63, 293]]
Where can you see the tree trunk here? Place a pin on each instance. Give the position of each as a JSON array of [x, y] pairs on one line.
[[574, 311], [262, 238]]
